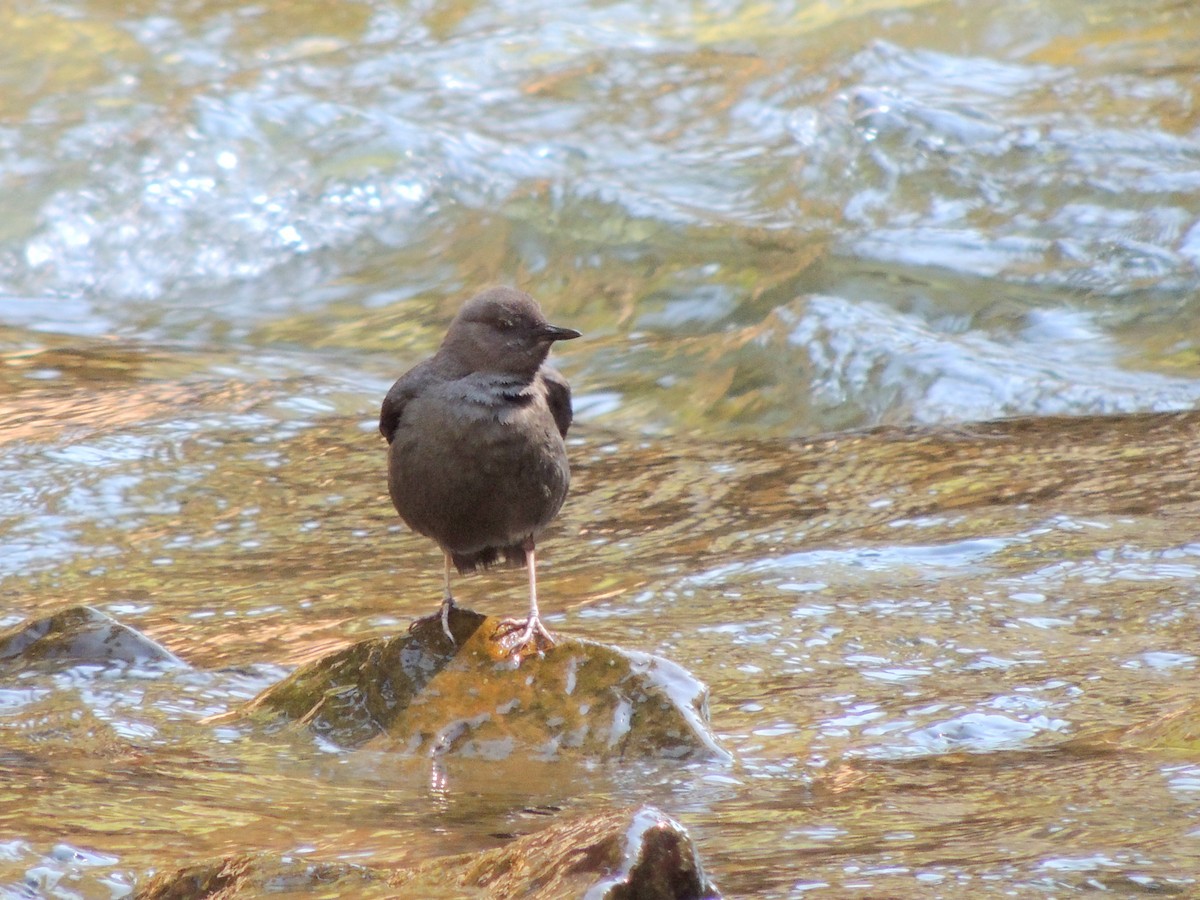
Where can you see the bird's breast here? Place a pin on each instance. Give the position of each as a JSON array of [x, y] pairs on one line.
[[471, 466]]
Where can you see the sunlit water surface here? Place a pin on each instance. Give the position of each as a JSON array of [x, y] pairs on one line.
[[228, 227]]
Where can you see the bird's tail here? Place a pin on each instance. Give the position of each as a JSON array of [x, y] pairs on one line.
[[469, 562]]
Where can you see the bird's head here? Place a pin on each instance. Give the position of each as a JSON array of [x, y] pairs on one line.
[[502, 330]]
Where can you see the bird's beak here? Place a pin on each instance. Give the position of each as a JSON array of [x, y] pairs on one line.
[[556, 333]]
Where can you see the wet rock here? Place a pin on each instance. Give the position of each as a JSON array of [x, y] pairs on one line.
[[430, 696], [620, 855], [80, 635], [644, 854]]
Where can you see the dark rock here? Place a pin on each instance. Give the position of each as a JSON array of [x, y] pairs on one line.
[[80, 635], [471, 697], [658, 860]]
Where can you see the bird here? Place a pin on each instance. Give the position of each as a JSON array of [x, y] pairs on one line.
[[476, 452]]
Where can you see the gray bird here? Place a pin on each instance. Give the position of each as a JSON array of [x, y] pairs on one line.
[[476, 458]]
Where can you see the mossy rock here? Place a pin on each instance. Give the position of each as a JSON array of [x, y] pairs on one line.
[[426, 695]]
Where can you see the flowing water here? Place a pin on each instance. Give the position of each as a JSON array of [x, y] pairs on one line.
[[228, 227]]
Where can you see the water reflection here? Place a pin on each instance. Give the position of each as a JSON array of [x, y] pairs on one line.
[[228, 229]]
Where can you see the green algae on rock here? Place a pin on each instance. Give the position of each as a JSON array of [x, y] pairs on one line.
[[617, 855], [78, 635], [426, 695]]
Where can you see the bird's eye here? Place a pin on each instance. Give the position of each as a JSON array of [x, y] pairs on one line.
[[506, 324]]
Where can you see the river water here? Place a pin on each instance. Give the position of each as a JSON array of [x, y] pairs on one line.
[[228, 227]]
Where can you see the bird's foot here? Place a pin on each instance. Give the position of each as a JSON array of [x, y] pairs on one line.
[[447, 605], [443, 615], [527, 631]]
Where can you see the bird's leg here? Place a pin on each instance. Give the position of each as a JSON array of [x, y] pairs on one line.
[[447, 601], [528, 628], [443, 613]]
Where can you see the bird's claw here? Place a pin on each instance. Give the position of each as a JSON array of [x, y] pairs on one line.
[[447, 605], [443, 615], [527, 630]]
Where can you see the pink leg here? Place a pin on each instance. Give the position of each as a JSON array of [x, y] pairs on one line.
[[443, 612], [528, 629], [447, 602]]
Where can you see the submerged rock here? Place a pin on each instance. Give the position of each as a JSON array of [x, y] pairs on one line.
[[77, 635], [471, 698], [254, 875], [1176, 733], [643, 854]]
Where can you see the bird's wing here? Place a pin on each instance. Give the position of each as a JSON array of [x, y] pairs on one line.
[[406, 387], [558, 397]]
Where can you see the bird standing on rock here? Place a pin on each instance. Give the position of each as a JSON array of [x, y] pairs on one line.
[[476, 458]]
